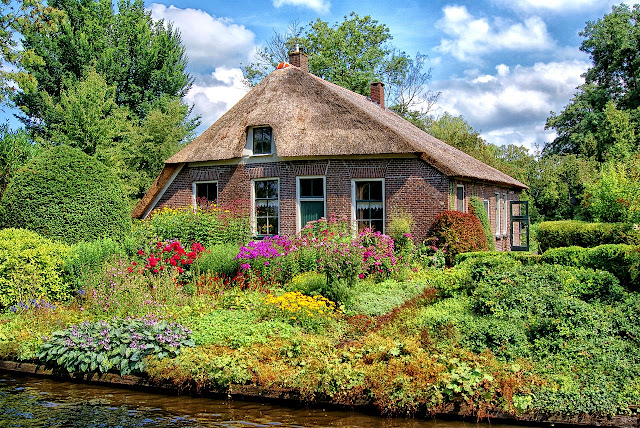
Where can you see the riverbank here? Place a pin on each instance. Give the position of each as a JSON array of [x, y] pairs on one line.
[[250, 392]]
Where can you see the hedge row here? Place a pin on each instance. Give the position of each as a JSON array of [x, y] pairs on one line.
[[621, 260], [566, 233]]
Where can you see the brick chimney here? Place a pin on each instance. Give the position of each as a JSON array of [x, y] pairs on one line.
[[377, 93], [299, 58]]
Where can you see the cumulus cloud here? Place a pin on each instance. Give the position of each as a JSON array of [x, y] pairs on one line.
[[210, 42], [556, 5], [320, 6], [468, 38], [215, 93], [512, 105]]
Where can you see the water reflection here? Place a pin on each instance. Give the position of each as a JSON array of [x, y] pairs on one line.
[[27, 401]]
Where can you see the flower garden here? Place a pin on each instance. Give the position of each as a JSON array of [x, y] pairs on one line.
[[187, 298]]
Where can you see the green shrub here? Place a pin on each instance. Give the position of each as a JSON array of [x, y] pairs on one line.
[[208, 225], [85, 260], [67, 195], [309, 283], [459, 232], [620, 260], [566, 233], [30, 267], [219, 259], [477, 209]]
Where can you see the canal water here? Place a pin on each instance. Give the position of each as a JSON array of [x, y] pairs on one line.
[[27, 401]]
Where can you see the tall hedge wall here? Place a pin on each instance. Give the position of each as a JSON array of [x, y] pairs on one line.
[[566, 233]]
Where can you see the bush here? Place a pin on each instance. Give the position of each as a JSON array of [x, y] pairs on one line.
[[219, 259], [30, 267], [65, 194], [85, 260], [209, 224], [477, 209], [459, 232], [565, 233]]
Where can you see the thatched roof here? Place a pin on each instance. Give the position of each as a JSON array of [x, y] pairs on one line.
[[312, 117]]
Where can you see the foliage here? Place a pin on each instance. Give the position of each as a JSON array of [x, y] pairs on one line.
[[67, 195], [209, 224], [615, 195], [219, 259], [30, 268], [460, 232], [236, 328], [477, 209], [352, 54], [86, 260], [16, 149], [599, 121], [554, 234], [376, 299], [20, 17], [119, 345], [309, 283]]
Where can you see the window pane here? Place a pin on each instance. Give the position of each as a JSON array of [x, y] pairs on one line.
[[376, 190], [376, 225], [311, 188], [208, 191], [362, 190], [261, 189], [272, 188], [261, 141], [272, 208], [261, 225], [362, 211]]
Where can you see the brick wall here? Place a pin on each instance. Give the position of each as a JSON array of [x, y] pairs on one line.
[[488, 191], [410, 185]]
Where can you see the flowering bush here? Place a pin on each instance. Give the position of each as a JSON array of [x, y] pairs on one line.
[[294, 307], [117, 345], [168, 255], [265, 258]]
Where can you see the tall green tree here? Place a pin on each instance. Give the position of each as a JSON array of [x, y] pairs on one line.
[[599, 120], [16, 149], [18, 17], [352, 54]]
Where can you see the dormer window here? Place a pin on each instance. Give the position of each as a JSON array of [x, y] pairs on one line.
[[262, 140]]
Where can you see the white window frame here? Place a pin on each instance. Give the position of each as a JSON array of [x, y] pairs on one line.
[[254, 218], [464, 196], [249, 145], [487, 208], [354, 220], [497, 219], [505, 215], [193, 190], [299, 224]]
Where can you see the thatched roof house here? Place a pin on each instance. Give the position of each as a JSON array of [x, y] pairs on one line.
[[322, 149]]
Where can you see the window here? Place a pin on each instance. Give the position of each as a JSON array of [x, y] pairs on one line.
[[368, 204], [266, 207], [486, 208], [497, 214], [505, 215], [262, 140], [205, 192], [460, 198], [311, 199]]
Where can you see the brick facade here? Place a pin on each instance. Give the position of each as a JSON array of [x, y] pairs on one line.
[[410, 185]]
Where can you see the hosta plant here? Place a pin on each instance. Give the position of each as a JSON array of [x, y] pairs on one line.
[[118, 345]]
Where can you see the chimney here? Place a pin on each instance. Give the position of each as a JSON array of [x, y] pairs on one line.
[[299, 58], [377, 93]]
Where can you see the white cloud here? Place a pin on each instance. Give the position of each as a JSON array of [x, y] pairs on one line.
[[210, 42], [512, 105], [213, 94], [556, 5], [320, 6], [468, 38]]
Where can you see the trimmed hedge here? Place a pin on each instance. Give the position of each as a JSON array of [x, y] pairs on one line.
[[31, 268], [67, 195], [621, 260], [477, 209], [459, 232], [566, 233]]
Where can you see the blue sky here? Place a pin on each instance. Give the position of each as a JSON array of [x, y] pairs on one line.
[[502, 64]]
